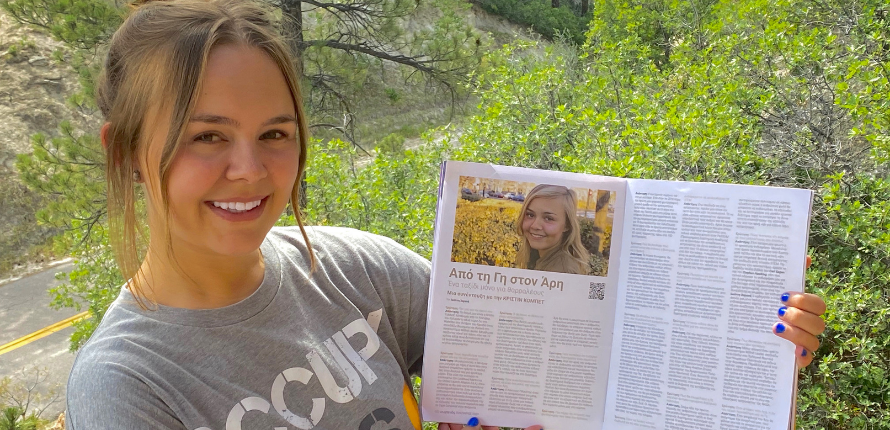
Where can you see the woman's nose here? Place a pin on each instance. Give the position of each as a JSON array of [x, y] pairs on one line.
[[246, 162]]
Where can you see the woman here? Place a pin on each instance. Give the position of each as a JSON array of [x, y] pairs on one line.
[[226, 322], [551, 236]]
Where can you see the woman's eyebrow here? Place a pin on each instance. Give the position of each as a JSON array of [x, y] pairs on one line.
[[214, 119], [219, 119], [280, 119]]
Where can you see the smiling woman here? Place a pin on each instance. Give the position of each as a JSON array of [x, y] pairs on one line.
[[551, 236], [225, 317], [226, 322], [239, 148]]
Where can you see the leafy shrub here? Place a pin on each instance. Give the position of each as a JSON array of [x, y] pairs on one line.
[[541, 17], [483, 233], [14, 419], [848, 386], [393, 143], [590, 238]]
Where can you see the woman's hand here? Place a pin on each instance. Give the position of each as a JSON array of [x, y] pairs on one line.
[[800, 322], [474, 425]]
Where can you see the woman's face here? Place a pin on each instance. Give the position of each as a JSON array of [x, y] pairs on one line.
[[544, 223], [237, 164]]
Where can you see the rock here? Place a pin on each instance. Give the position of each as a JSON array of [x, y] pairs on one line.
[[38, 61]]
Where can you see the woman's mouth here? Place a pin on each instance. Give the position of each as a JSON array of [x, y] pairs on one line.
[[238, 211], [237, 208]]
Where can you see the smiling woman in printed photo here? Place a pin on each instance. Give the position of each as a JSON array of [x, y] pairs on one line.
[[551, 236]]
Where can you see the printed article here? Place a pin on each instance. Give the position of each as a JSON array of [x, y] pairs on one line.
[[706, 265], [524, 291], [581, 301]]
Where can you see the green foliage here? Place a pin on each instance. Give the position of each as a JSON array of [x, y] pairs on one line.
[[392, 94], [21, 403], [70, 169], [393, 194], [79, 23], [787, 92], [427, 45], [849, 385], [22, 239], [542, 17], [790, 93], [392, 144], [13, 419], [484, 232]]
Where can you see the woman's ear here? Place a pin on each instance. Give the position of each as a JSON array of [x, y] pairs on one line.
[[103, 134]]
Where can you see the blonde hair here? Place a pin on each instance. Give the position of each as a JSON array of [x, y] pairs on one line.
[[570, 256], [155, 64]]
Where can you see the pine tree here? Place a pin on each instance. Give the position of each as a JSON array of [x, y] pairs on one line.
[[346, 40]]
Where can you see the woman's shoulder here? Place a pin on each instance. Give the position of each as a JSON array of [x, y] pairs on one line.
[[563, 262], [342, 243], [113, 337], [108, 380], [109, 358]]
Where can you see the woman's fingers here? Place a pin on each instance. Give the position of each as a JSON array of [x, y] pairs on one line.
[[797, 336], [473, 424], [802, 319], [806, 301], [804, 357]]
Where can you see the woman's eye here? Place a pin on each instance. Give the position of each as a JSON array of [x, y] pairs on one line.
[[207, 138], [274, 135]]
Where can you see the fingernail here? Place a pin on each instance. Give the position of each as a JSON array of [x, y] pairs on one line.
[[780, 328], [473, 422], [803, 353], [785, 297], [782, 311]]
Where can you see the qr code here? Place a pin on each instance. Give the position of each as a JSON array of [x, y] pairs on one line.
[[597, 291]]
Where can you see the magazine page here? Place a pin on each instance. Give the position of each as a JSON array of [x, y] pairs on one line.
[[522, 297], [705, 266]]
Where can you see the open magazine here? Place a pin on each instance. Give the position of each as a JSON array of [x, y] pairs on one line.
[[577, 301]]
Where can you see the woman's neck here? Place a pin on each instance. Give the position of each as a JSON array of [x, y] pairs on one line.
[[201, 281]]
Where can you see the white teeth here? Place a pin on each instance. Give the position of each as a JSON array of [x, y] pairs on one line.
[[237, 207]]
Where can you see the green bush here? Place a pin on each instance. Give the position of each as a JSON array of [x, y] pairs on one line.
[[392, 144], [13, 419], [848, 387], [541, 16]]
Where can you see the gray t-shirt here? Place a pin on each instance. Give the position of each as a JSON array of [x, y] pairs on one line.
[[328, 350]]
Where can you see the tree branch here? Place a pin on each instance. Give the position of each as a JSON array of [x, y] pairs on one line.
[[414, 62]]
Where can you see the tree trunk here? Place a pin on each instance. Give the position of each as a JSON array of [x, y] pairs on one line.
[[292, 14], [584, 7], [554, 3]]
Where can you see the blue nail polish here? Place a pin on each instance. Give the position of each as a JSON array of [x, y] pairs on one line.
[[785, 297], [780, 328], [803, 353], [473, 422], [782, 311]]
